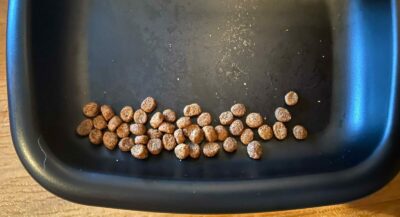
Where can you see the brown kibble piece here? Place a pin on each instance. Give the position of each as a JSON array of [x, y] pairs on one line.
[[211, 149], [179, 136], [143, 139], [137, 129], [126, 113], [123, 130], [125, 144], [222, 132], [300, 132], [210, 133], [96, 136], [254, 120], [166, 127], [238, 110], [168, 141], [194, 150], [99, 122], [148, 104], [291, 98], [154, 146], [226, 118], [140, 117], [196, 136], [154, 133], [110, 140], [139, 151], [247, 136], [183, 122], [282, 114], [230, 144], [204, 119], [114, 123], [182, 151], [254, 150], [84, 127], [188, 130], [91, 109], [191, 110], [265, 132], [236, 127], [156, 119], [107, 112], [280, 130], [169, 115]]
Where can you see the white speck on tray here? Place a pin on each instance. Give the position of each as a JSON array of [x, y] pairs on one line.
[[244, 83], [286, 30], [323, 56], [177, 78], [318, 101]]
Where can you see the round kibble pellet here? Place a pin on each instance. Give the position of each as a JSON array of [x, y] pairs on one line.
[[196, 135], [183, 122], [99, 122], [168, 141], [143, 139], [169, 115], [194, 150], [265, 132], [114, 123], [110, 140], [282, 114], [226, 118], [166, 127], [125, 144], [222, 132], [238, 110], [126, 113], [188, 130], [247, 136], [254, 150], [137, 129], [107, 112], [140, 117], [139, 152], [254, 120], [191, 110], [148, 104], [211, 149], [96, 136], [123, 130], [236, 128], [84, 127], [291, 98], [154, 133], [210, 133], [156, 119], [182, 151], [280, 130], [91, 109], [154, 146], [300, 132], [179, 136], [204, 119], [230, 144]]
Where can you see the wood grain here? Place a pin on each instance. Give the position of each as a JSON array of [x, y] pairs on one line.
[[20, 195]]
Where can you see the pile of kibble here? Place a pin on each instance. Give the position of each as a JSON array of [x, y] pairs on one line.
[[166, 131]]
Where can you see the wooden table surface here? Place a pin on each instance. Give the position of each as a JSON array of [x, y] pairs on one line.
[[20, 195]]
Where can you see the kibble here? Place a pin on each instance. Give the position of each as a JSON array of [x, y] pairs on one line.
[[265, 132], [110, 140], [291, 98], [125, 144], [196, 135], [154, 133], [154, 146], [169, 115], [107, 112], [194, 150], [188, 130], [143, 139], [137, 129], [210, 133], [204, 119], [140, 116], [126, 114], [211, 149], [114, 123], [182, 151], [156, 119], [282, 114], [247, 136], [123, 130], [236, 127], [183, 122], [84, 127], [300, 132], [191, 110], [179, 136], [139, 152], [99, 122], [222, 132], [226, 118], [280, 130], [148, 104], [91, 109], [166, 127], [238, 110], [168, 141], [96, 136], [230, 144], [254, 150], [254, 120]]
